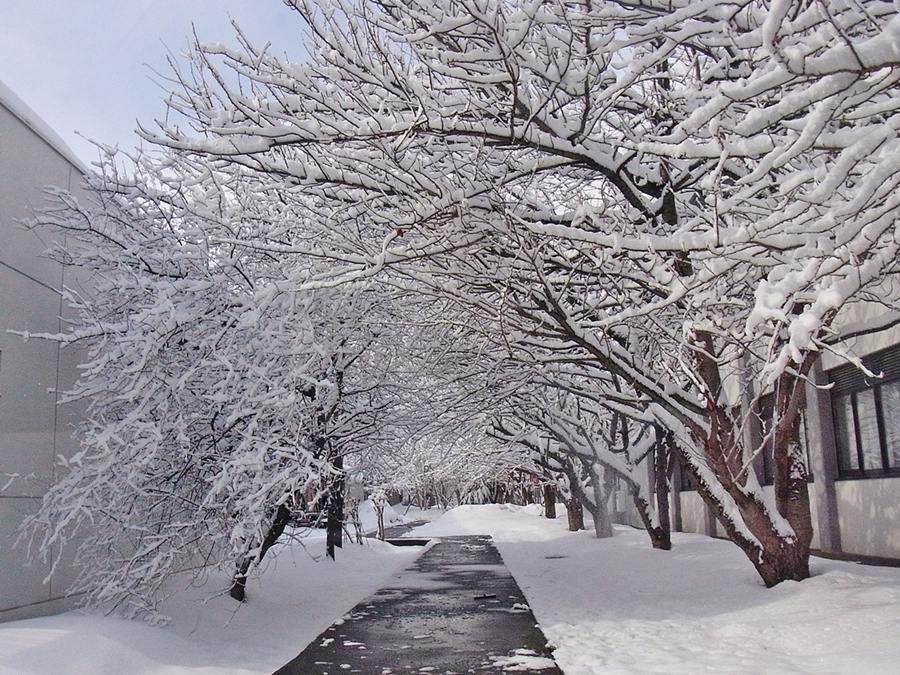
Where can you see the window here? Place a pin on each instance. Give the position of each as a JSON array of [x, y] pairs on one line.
[[866, 413], [890, 403]]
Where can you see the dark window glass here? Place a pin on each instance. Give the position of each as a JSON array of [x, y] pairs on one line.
[[867, 420], [890, 406], [866, 414], [685, 482], [845, 433]]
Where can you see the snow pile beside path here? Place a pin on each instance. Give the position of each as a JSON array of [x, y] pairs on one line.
[[368, 518], [299, 594], [411, 513], [617, 607]]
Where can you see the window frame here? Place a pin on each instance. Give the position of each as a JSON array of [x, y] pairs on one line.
[[848, 382]]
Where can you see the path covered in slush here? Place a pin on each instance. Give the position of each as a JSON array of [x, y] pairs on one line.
[[456, 610]]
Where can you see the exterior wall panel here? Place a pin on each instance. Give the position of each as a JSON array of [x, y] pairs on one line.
[[869, 514], [693, 513], [34, 430]]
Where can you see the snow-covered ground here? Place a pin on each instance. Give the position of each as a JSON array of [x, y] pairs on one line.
[[299, 594], [617, 606], [611, 606]]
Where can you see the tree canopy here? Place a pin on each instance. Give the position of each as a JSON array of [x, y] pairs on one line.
[[652, 213]]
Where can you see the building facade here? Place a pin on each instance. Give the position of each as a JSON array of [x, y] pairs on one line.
[[34, 429], [851, 433]]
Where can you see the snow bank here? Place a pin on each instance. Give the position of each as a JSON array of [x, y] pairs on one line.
[[413, 513], [369, 519], [298, 595], [617, 606]]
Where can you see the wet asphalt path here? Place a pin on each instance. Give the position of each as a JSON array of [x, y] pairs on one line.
[[400, 530], [456, 610]]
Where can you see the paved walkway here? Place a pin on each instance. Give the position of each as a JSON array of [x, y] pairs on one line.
[[456, 610], [400, 530]]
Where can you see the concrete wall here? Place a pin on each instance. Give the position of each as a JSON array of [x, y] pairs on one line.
[[33, 428], [693, 513], [869, 516]]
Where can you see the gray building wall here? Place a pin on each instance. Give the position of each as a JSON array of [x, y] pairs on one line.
[[34, 429], [861, 515]]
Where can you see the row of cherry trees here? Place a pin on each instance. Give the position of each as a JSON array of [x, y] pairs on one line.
[[223, 400], [232, 391], [599, 227], [683, 193]]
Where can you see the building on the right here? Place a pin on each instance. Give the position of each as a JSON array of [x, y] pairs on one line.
[[853, 427], [850, 432]]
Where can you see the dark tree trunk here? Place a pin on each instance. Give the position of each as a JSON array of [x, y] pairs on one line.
[[239, 585], [575, 514], [660, 536], [379, 511], [791, 487], [549, 500], [527, 494], [334, 510], [776, 558], [661, 533], [575, 502], [777, 555]]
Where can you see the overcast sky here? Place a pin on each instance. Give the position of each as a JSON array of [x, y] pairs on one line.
[[86, 66]]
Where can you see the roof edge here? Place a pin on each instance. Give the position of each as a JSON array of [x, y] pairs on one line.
[[28, 117]]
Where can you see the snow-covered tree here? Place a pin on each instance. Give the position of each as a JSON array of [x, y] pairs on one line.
[[434, 450], [219, 397], [686, 192], [591, 443]]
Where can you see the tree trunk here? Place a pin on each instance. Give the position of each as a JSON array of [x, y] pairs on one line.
[[575, 502], [778, 553], [791, 472], [659, 537], [334, 509], [775, 556], [661, 533], [575, 514], [527, 494], [600, 513], [239, 585], [379, 512], [549, 500]]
